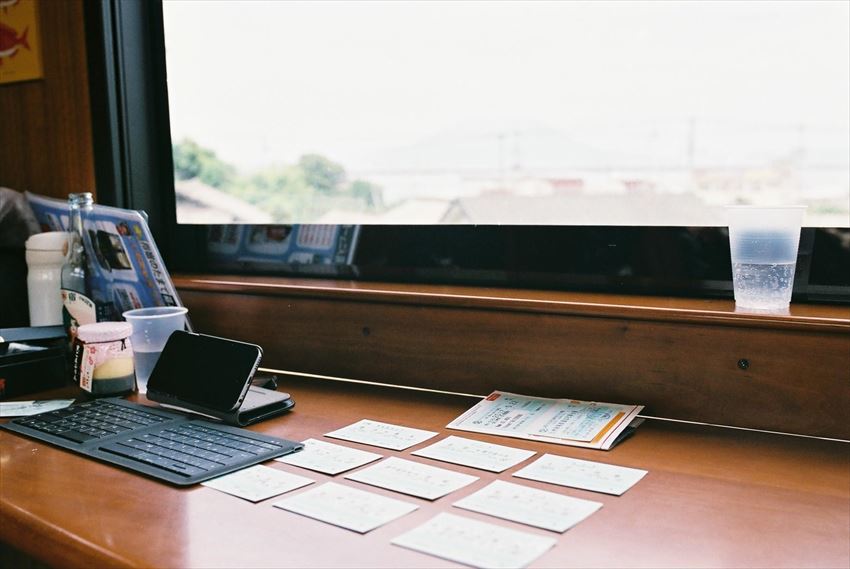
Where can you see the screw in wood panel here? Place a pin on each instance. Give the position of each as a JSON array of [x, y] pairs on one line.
[[743, 363], [366, 331]]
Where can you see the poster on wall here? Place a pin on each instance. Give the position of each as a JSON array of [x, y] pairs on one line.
[[20, 43]]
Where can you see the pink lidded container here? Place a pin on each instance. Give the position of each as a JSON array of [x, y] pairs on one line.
[[103, 358]]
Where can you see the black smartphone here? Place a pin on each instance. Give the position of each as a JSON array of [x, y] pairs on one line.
[[206, 371]]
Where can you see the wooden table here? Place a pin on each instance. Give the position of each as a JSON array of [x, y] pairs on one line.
[[713, 497]]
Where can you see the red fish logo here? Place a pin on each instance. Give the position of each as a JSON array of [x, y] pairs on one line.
[[11, 42]]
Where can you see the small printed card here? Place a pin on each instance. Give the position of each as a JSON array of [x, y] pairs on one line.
[[475, 543], [529, 506], [328, 457], [346, 507], [257, 483], [583, 474], [413, 478], [27, 408], [477, 454], [379, 434]]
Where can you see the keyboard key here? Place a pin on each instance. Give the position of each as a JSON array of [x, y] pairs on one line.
[[147, 458], [75, 436]]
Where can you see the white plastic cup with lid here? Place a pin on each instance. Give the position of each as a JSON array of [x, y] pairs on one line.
[[151, 329], [45, 255]]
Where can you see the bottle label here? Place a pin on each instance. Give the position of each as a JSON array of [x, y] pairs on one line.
[[83, 369], [107, 360], [77, 309]]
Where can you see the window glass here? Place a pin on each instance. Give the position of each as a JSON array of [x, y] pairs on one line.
[[543, 113]]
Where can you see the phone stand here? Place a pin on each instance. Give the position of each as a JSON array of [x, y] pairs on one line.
[[259, 404]]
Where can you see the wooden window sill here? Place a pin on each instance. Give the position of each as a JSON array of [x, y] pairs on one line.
[[686, 359], [674, 309]]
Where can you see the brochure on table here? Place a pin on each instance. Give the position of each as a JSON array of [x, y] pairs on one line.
[[125, 269], [587, 424]]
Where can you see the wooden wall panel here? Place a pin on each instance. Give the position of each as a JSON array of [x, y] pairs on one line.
[[796, 380], [45, 137]]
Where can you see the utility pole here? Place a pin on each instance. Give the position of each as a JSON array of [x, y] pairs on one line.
[[501, 140], [692, 135], [517, 165], [800, 154]]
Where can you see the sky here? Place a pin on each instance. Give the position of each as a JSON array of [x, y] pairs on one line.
[[263, 82]]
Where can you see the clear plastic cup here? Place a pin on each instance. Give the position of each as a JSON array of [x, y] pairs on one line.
[[763, 244], [151, 329]]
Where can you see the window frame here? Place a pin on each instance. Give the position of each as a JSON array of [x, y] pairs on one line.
[[134, 169]]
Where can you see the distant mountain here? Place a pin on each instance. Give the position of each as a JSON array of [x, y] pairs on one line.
[[466, 149], [536, 148]]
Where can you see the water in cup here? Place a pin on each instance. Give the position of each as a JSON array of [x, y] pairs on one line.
[[763, 286], [144, 362]]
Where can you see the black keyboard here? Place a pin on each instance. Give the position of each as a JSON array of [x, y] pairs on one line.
[[162, 444]]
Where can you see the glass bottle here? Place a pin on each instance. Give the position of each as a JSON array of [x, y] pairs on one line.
[[77, 305]]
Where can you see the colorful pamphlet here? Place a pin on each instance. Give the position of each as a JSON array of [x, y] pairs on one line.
[[562, 421], [125, 268]]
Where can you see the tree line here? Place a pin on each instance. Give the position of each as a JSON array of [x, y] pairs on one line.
[[289, 192]]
